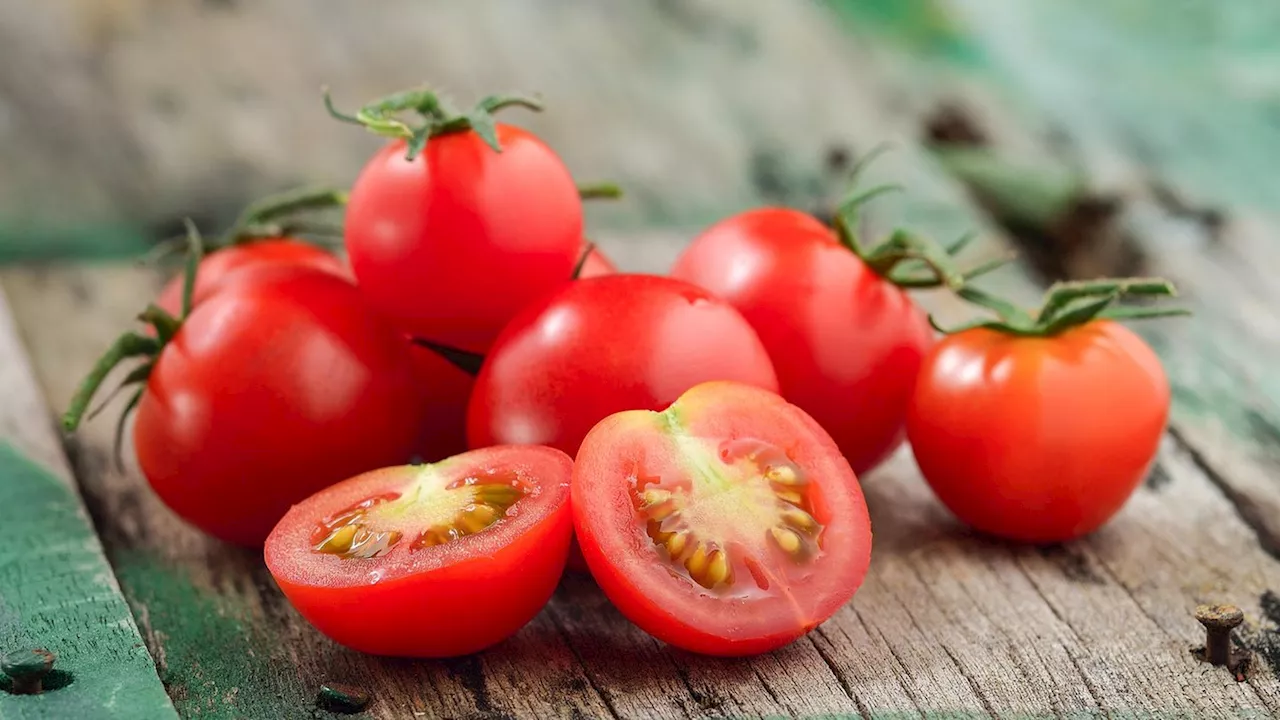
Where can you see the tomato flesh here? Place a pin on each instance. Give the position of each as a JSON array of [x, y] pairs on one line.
[[1038, 439], [728, 524], [434, 560]]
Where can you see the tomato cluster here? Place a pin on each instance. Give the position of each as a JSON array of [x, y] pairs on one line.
[[432, 425]]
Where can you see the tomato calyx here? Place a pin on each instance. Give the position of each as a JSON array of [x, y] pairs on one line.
[[439, 116], [904, 258], [1069, 304], [136, 345]]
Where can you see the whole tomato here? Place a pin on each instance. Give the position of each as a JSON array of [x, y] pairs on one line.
[[845, 340], [223, 264], [453, 227], [280, 383], [603, 345], [1039, 431]]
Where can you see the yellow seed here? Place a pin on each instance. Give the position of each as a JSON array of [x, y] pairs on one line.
[[497, 495], [784, 475], [677, 543], [798, 518], [790, 496], [476, 518], [719, 570], [697, 564], [655, 496], [788, 540], [339, 541]]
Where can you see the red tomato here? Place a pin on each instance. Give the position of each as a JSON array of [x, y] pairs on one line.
[[729, 524], [429, 561], [846, 343], [1039, 439], [279, 384], [220, 265], [453, 243], [446, 390], [603, 345]]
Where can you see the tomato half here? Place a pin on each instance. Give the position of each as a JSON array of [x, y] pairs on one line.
[[1038, 439], [222, 264], [281, 383], [453, 243], [602, 345], [728, 524], [429, 560], [845, 342]]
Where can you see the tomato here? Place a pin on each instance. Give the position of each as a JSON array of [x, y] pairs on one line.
[[1038, 439], [728, 524], [280, 383], [452, 243], [846, 342], [446, 390], [220, 265], [429, 561], [605, 344]]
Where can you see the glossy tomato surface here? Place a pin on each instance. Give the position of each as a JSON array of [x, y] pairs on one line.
[[846, 344], [602, 345], [429, 561], [728, 524], [446, 389], [453, 243], [1038, 439], [279, 384], [222, 264]]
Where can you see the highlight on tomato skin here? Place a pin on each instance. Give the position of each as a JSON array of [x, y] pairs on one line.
[[728, 524], [429, 561]]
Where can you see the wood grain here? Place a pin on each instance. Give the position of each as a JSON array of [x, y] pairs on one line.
[[57, 590]]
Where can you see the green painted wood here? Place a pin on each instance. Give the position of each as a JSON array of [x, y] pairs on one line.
[[57, 592]]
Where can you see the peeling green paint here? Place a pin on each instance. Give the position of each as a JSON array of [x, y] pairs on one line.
[[57, 592]]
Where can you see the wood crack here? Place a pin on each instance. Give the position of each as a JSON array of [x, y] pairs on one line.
[[582, 666], [973, 684], [1250, 514]]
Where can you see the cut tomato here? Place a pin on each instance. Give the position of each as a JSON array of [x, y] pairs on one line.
[[729, 524], [431, 560]]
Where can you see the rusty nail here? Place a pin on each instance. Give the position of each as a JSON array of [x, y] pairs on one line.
[[342, 698], [1218, 622], [27, 668]]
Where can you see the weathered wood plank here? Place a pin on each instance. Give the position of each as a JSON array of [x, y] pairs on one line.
[[947, 621], [57, 590]]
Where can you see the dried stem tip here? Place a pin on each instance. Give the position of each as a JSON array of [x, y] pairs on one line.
[[27, 668]]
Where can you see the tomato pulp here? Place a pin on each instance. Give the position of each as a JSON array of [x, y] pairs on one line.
[[431, 560], [1038, 439], [728, 524], [280, 383], [454, 242], [846, 343]]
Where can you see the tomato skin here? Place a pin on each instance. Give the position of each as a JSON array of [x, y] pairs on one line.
[[222, 264], [597, 264], [846, 343], [454, 243], [469, 596], [602, 345], [277, 385], [640, 584], [1038, 439], [445, 392]]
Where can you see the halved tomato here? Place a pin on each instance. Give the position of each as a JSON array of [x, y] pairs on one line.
[[729, 524], [433, 560]]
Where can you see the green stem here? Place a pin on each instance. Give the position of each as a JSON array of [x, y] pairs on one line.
[[599, 191], [582, 260], [126, 346]]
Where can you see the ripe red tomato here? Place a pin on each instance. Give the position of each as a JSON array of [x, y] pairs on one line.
[[446, 390], [728, 524], [429, 561], [845, 342], [1038, 439], [602, 345], [220, 265], [453, 243], [279, 384]]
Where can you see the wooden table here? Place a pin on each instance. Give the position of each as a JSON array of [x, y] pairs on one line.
[[1067, 136]]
